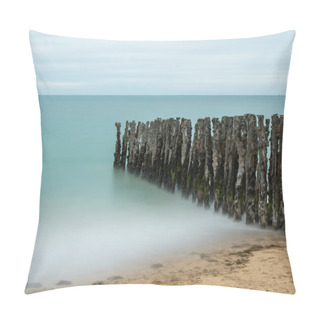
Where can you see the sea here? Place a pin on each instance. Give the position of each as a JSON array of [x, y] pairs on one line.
[[96, 221]]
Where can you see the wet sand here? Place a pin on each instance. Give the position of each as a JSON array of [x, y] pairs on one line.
[[251, 259], [258, 261]]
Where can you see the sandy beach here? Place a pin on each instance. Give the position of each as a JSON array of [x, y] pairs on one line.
[[251, 258], [256, 261]]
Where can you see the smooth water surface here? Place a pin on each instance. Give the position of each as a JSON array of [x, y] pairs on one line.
[[95, 219]]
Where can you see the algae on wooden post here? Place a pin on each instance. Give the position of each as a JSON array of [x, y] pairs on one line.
[[218, 147], [229, 165], [147, 154], [230, 169], [208, 170], [281, 222], [194, 163], [159, 157], [176, 159], [155, 147], [262, 183], [275, 179], [251, 166], [152, 150], [150, 169], [168, 144], [186, 131], [203, 150], [240, 141], [174, 155], [200, 146], [200, 166], [132, 147]]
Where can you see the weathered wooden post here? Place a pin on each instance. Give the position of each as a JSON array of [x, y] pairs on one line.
[[173, 154], [186, 131], [208, 170], [240, 141], [190, 170], [141, 139], [262, 168], [251, 166], [199, 184], [281, 222], [167, 152], [177, 154], [133, 148], [117, 153], [275, 179], [157, 164], [218, 152], [151, 159], [230, 169], [230, 164], [203, 146], [273, 167], [161, 153], [194, 163], [147, 155], [123, 159]]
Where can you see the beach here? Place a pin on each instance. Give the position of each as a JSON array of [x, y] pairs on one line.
[[108, 226], [257, 261]]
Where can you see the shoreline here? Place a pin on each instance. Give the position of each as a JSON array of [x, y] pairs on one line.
[[258, 261], [248, 259]]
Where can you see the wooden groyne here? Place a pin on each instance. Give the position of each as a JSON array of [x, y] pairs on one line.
[[234, 163]]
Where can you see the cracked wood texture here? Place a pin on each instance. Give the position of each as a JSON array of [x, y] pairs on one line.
[[233, 164]]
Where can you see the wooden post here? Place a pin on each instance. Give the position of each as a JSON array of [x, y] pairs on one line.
[[133, 147], [218, 152], [194, 162], [208, 170], [141, 139], [147, 155], [167, 153], [173, 154], [262, 184], [200, 187], [117, 152], [203, 147], [281, 222], [275, 172], [177, 154], [251, 166], [229, 170], [186, 130], [157, 164], [123, 159], [229, 165], [154, 148], [240, 141]]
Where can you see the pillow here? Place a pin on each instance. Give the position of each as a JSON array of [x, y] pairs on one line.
[[161, 162]]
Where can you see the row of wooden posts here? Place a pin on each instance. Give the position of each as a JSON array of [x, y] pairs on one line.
[[234, 163]]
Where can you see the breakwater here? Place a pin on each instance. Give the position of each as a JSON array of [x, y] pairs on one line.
[[233, 163]]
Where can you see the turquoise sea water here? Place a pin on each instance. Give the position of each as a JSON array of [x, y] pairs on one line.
[[94, 219]]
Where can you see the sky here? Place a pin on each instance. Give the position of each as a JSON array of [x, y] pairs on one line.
[[75, 66]]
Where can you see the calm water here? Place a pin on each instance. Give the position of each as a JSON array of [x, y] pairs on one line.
[[95, 219]]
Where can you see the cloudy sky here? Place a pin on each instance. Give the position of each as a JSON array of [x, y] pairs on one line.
[[256, 66]]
